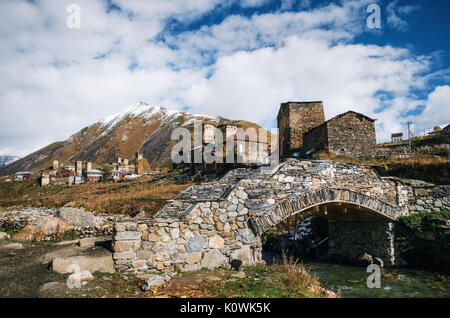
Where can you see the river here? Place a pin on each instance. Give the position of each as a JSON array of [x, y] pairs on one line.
[[351, 281]]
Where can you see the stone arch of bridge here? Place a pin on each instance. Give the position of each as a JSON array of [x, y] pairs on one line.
[[319, 200], [349, 238]]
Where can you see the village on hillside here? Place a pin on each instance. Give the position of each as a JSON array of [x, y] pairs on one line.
[[303, 132]]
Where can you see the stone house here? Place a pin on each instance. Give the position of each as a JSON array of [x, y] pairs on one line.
[[302, 129], [23, 175], [118, 174], [396, 137], [70, 168], [246, 148], [350, 134], [123, 165], [62, 178], [94, 175], [295, 119]]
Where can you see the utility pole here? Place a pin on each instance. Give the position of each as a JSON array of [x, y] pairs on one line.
[[409, 136]]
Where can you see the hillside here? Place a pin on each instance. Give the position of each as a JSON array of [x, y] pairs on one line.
[[139, 128]]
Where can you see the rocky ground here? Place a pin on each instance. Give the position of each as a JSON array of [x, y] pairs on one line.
[[36, 270], [26, 271], [38, 259]]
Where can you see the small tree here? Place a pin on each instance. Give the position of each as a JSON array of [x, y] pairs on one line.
[[107, 172]]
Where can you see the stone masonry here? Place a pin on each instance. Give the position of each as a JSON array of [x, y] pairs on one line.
[[349, 241], [350, 134], [211, 224], [295, 119]]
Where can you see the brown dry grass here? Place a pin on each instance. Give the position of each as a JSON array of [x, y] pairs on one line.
[[297, 276], [148, 194], [417, 159]]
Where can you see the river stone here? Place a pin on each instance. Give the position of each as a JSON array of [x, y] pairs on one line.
[[195, 244], [213, 259], [366, 259]]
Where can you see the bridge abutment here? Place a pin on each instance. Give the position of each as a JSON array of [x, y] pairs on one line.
[[358, 242]]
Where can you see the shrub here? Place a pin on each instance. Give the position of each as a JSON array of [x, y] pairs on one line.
[[422, 241], [296, 276]]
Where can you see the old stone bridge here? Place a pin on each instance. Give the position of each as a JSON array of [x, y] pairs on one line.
[[211, 224]]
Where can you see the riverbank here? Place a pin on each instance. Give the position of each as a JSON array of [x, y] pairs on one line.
[[25, 272]]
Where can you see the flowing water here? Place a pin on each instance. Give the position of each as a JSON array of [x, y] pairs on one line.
[[352, 281]]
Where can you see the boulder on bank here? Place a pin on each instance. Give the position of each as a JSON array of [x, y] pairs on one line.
[[77, 217], [46, 228], [4, 236]]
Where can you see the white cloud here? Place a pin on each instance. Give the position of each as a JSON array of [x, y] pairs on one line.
[[396, 15], [437, 111], [252, 3], [243, 67]]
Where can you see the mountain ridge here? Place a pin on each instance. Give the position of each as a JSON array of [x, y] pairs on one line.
[[138, 128]]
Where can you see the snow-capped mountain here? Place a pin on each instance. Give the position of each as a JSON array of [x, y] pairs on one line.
[[7, 159], [139, 128]]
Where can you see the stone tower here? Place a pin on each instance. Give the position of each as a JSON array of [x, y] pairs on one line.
[[208, 134], [79, 167], [294, 119], [88, 166]]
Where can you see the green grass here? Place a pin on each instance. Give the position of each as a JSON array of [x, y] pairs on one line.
[[262, 281]]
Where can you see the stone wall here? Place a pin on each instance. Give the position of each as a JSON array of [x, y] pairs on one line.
[[295, 119], [316, 139], [351, 134], [206, 234], [98, 225], [426, 197], [350, 241]]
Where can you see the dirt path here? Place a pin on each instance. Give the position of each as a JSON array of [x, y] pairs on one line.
[[21, 272]]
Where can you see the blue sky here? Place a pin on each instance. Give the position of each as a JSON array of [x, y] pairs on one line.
[[238, 59]]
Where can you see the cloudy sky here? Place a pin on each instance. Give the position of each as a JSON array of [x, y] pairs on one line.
[[238, 59]]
